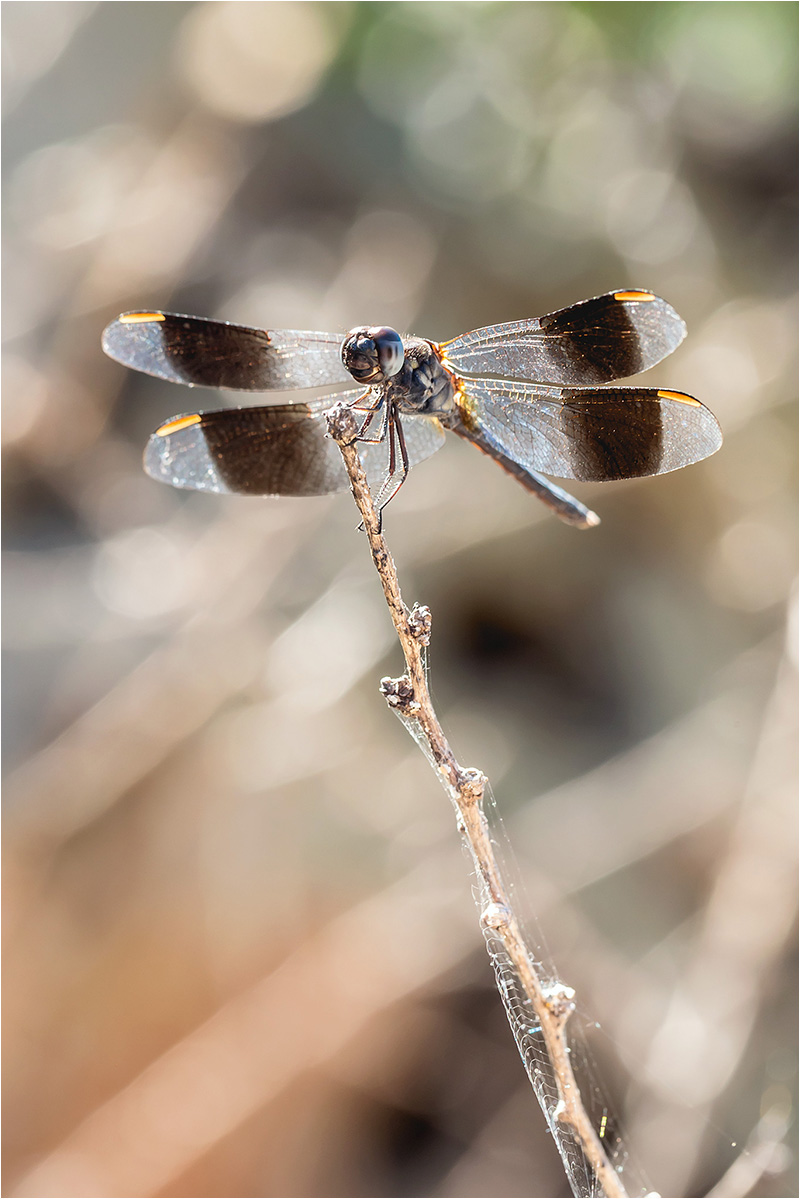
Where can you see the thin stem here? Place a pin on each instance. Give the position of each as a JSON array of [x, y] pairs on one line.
[[551, 1003]]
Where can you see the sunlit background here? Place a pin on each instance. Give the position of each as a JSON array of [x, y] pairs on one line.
[[242, 956]]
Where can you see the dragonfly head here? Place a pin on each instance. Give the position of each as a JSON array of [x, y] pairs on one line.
[[373, 355]]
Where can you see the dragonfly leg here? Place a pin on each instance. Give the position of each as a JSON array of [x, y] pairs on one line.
[[401, 441], [384, 423], [399, 436], [387, 429], [357, 406], [371, 410], [392, 464]]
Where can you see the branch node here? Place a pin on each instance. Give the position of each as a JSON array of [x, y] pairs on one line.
[[399, 694], [419, 623], [342, 425], [471, 785], [496, 916], [560, 1000]]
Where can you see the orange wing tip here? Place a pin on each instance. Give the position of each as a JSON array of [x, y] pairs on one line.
[[680, 397], [140, 318], [634, 295], [180, 422]]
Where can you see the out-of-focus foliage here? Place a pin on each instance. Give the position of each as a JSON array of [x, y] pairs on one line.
[[241, 956]]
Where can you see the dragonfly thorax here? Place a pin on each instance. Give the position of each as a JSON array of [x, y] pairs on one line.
[[422, 386]]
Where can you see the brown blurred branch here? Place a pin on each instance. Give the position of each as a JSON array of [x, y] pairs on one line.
[[552, 1003]]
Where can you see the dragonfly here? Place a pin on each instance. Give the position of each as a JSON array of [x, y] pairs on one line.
[[534, 395]]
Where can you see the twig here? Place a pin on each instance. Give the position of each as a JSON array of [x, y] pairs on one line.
[[409, 697]]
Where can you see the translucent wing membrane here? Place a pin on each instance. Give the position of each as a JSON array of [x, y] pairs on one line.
[[188, 349], [591, 435], [278, 450], [596, 341]]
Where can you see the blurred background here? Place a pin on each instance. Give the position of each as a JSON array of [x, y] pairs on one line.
[[241, 953]]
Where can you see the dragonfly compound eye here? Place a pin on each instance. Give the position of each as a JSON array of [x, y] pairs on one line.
[[373, 355]]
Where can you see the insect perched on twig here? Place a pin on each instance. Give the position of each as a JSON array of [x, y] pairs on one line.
[[548, 411]]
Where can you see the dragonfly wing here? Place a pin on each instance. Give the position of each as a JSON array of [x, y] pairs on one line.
[[590, 434], [197, 352], [279, 450], [610, 337]]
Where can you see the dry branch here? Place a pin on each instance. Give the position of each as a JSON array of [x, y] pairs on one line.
[[551, 1003]]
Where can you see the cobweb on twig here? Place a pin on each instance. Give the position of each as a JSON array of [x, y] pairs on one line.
[[527, 1033]]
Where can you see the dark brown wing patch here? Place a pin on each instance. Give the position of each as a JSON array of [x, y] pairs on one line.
[[204, 353], [616, 438], [275, 450], [248, 451], [592, 434], [605, 339], [596, 341]]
